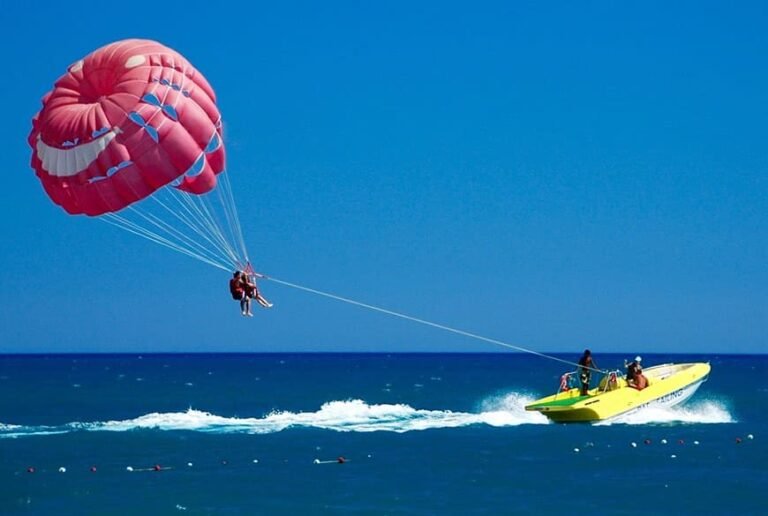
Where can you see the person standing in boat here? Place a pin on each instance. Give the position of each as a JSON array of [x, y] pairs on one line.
[[586, 365]]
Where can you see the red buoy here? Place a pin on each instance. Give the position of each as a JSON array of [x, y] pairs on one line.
[[93, 469], [157, 467], [341, 460], [30, 469]]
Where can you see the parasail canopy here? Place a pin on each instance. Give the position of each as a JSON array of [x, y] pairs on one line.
[[132, 134]]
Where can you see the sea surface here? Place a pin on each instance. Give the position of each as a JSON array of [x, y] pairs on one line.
[[366, 434]]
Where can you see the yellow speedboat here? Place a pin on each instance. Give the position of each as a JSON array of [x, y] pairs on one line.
[[668, 385]]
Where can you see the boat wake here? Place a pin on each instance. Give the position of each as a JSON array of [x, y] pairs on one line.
[[701, 412], [358, 416], [340, 416]]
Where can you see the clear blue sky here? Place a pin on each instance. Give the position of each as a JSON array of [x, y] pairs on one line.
[[551, 174]]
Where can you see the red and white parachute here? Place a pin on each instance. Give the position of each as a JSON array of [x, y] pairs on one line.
[[132, 134]]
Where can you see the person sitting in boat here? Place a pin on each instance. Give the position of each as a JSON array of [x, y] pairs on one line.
[[633, 368], [641, 382], [586, 365], [635, 377]]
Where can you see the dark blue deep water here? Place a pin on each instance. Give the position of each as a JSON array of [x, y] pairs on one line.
[[421, 434]]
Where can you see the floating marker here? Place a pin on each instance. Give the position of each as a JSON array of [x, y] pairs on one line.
[[62, 469], [673, 456], [663, 441], [255, 461], [696, 443], [634, 445], [338, 460], [189, 464], [750, 437], [576, 450], [156, 467]]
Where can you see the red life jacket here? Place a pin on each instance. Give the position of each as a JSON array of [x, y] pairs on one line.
[[236, 288]]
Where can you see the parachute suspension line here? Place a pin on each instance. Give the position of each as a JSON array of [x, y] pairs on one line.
[[415, 319], [193, 225], [178, 244], [187, 219], [206, 206], [204, 219], [184, 240], [228, 201], [199, 222], [132, 227]]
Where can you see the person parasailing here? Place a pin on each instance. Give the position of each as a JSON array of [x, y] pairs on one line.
[[252, 291], [238, 292], [242, 289]]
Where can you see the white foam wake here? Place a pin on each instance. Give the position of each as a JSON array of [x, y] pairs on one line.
[[340, 416], [705, 411], [359, 416]]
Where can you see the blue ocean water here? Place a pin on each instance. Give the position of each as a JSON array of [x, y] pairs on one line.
[[420, 434]]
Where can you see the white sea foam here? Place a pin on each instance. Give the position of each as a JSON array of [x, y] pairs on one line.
[[704, 411], [509, 410], [340, 416], [358, 416]]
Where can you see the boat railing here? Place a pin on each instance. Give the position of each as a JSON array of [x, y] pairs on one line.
[[569, 380], [610, 381]]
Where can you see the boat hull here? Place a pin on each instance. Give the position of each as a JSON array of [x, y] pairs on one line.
[[668, 385]]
